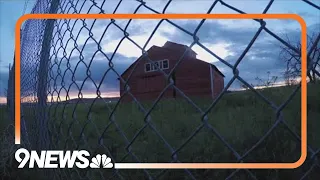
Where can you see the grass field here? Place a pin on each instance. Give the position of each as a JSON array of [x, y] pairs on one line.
[[241, 118], [4, 116]]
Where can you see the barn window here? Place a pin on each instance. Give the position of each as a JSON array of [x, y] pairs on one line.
[[148, 67], [162, 64], [156, 65], [165, 64]]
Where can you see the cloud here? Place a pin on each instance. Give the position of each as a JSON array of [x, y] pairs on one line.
[[229, 43], [88, 76], [228, 39]]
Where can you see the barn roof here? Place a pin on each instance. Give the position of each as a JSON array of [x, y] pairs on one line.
[[174, 46]]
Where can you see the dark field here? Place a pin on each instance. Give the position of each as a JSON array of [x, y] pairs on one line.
[[176, 129]]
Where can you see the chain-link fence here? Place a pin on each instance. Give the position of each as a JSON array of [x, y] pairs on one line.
[[65, 65]]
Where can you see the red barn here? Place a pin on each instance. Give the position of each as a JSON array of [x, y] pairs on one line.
[[192, 76]]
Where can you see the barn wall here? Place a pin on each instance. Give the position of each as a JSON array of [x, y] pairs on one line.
[[192, 78], [218, 84], [153, 82], [155, 53]]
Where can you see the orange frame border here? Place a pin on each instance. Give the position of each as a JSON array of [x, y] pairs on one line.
[[181, 16]]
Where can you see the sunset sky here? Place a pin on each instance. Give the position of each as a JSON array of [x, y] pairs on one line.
[[226, 38]]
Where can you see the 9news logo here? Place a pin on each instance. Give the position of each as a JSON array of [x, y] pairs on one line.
[[59, 159]]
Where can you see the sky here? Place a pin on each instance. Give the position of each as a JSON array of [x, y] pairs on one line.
[[226, 38], [10, 11]]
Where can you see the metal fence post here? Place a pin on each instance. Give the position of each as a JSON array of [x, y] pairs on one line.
[[12, 93], [8, 89], [44, 141]]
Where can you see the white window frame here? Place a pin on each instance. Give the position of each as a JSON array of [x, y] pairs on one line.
[[152, 65], [167, 63]]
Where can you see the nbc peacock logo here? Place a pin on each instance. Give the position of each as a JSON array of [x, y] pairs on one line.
[[101, 160]]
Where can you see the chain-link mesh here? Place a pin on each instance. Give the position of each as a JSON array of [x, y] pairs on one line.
[[58, 61]]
